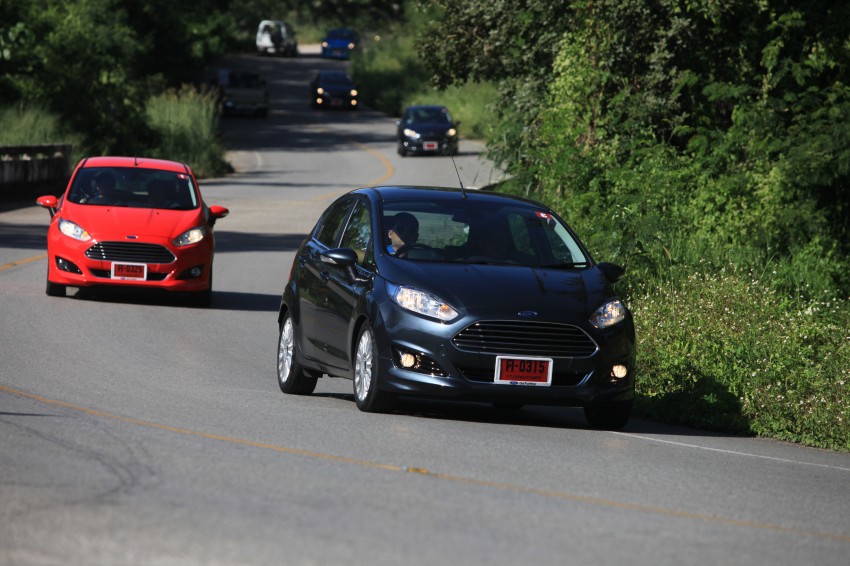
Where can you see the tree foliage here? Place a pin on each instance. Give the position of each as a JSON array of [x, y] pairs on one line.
[[720, 124]]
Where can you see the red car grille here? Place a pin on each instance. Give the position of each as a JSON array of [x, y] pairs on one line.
[[132, 252], [525, 338]]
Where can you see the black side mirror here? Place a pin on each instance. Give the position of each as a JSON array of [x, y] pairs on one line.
[[344, 258], [611, 271]]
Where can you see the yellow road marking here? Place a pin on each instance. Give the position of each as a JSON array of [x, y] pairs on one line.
[[22, 261], [596, 501]]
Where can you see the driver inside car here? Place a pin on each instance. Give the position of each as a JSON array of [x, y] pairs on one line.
[[403, 232]]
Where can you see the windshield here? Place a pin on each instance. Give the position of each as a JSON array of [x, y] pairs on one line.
[[134, 187], [469, 231]]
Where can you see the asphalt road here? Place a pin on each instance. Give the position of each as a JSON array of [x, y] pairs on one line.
[[137, 430]]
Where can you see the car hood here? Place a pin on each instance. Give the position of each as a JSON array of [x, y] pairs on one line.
[[490, 287], [113, 221]]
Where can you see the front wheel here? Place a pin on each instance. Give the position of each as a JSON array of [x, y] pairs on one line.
[[291, 377], [609, 416], [368, 397]]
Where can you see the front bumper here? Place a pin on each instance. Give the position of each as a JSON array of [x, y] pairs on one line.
[[430, 146], [444, 371], [188, 272]]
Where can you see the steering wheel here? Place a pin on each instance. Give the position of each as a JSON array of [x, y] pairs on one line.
[[402, 251]]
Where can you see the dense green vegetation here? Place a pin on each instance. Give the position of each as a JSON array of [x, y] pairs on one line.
[[704, 145]]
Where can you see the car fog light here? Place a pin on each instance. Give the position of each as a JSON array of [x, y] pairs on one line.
[[619, 371], [195, 271], [407, 360]]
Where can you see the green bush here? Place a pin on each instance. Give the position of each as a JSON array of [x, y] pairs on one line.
[[726, 351], [186, 124]]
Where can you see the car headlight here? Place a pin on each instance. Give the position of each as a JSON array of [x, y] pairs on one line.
[[192, 236], [608, 314], [324, 44], [410, 133], [351, 46], [451, 132], [73, 231], [320, 90], [353, 92], [421, 302]]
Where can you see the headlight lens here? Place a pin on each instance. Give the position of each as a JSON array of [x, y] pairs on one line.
[[320, 90], [608, 314], [421, 302], [192, 236], [451, 132], [73, 231], [353, 92], [410, 133], [324, 44]]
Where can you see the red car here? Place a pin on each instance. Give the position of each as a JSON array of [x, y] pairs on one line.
[[131, 221]]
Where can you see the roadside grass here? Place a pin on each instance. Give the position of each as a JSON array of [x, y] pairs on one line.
[[186, 123], [727, 351], [33, 125]]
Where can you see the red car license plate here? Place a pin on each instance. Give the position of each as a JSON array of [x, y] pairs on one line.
[[523, 371], [429, 146], [131, 271]]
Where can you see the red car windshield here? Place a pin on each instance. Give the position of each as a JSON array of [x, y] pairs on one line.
[[134, 187]]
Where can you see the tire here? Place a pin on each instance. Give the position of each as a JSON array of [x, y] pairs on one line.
[[401, 151], [291, 377], [609, 416], [54, 289], [367, 395]]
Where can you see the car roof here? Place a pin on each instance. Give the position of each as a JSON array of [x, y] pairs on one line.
[[146, 162], [401, 193]]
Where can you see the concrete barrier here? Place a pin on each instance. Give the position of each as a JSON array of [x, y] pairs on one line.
[[29, 170]]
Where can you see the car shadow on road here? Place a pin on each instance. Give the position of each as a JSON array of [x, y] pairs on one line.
[[531, 415], [221, 300]]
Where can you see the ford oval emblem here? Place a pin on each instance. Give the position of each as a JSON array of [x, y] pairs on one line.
[[527, 314]]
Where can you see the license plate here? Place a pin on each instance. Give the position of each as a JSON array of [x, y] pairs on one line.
[[130, 271], [523, 371], [336, 102], [429, 146]]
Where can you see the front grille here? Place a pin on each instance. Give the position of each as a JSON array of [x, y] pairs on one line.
[[528, 338], [131, 252]]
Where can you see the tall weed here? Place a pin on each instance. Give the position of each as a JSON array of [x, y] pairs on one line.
[[186, 123]]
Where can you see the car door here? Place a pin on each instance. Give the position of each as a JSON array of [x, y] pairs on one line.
[[314, 275], [335, 323]]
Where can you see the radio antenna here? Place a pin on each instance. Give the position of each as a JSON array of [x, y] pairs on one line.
[[462, 189]]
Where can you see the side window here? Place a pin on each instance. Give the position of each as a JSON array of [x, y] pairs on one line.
[[358, 233], [332, 223]]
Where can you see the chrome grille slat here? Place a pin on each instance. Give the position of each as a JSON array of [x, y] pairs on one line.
[[131, 252], [525, 338]]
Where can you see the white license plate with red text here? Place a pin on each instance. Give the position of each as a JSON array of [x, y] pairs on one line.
[[429, 146], [513, 370], [130, 271]]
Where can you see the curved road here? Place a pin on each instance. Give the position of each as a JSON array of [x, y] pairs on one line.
[[136, 430]]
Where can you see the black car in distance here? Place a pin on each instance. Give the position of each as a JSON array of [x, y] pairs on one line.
[[333, 89], [466, 295], [427, 129]]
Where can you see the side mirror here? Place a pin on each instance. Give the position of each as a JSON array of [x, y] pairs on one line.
[[217, 211], [611, 271], [344, 258], [49, 202]]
